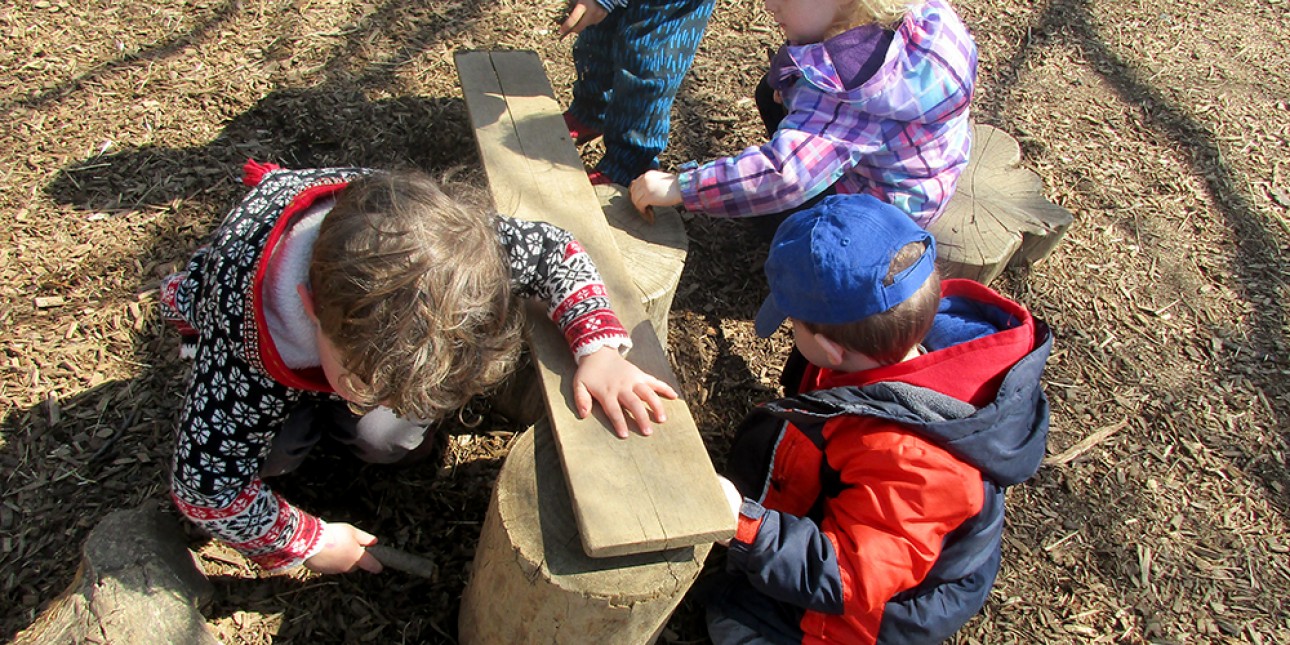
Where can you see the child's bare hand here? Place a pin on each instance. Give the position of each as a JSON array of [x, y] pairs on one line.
[[344, 549], [655, 188], [621, 388], [582, 14], [734, 498]]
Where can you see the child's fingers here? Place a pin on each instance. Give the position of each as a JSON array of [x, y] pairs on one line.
[[581, 400], [613, 409], [575, 14], [640, 414], [651, 401], [368, 562], [363, 537], [662, 388], [614, 412], [638, 196]]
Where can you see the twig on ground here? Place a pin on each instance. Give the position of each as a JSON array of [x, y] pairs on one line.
[[1084, 444]]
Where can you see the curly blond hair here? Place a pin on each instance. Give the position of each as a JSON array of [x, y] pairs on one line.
[[412, 287], [888, 13]]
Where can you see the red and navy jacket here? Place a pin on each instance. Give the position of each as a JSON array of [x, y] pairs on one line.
[[874, 500]]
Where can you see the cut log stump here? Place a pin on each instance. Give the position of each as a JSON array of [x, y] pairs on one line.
[[654, 254], [998, 216], [531, 578], [137, 583]]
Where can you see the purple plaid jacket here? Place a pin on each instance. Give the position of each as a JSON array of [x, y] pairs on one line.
[[902, 136]]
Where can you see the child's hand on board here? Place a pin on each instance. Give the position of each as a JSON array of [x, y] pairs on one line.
[[655, 188], [344, 550], [621, 388]]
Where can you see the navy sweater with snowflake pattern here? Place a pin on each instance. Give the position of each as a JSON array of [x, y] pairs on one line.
[[240, 390]]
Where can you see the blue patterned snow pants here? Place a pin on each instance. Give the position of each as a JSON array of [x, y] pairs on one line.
[[630, 66]]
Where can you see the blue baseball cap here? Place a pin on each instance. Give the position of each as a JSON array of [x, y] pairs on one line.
[[828, 263]]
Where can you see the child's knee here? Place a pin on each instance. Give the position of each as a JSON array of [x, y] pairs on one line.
[[382, 437]]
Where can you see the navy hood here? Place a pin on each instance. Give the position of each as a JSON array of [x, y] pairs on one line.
[[1005, 439]]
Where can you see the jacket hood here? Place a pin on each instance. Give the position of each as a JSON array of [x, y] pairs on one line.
[[1006, 438], [931, 53]]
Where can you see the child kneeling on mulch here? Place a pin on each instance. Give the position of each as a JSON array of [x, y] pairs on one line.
[[870, 499], [364, 305]]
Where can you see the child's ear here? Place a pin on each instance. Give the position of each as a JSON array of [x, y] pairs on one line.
[[307, 301], [834, 353]]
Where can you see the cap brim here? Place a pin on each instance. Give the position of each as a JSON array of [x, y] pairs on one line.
[[769, 318]]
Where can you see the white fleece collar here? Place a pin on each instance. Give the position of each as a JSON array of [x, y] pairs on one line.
[[289, 326]]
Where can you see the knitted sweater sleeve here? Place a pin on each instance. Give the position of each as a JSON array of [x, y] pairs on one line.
[[548, 264], [226, 427]]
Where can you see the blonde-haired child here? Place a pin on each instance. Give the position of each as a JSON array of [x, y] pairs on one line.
[[363, 305], [866, 96]]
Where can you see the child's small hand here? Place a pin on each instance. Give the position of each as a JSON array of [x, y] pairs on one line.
[[620, 387], [655, 188], [582, 14], [344, 550], [735, 499]]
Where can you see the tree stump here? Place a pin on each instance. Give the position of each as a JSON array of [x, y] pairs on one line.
[[654, 255], [137, 583], [531, 582], [998, 216]]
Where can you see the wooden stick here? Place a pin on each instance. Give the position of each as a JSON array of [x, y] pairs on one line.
[[1084, 444], [403, 561]]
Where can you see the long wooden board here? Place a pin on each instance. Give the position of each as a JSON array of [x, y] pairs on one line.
[[629, 496]]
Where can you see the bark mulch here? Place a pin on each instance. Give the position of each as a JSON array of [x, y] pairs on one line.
[[1160, 516]]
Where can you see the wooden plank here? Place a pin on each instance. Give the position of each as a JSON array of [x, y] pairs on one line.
[[629, 496]]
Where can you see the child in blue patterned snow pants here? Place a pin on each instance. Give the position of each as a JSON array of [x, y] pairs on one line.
[[630, 66]]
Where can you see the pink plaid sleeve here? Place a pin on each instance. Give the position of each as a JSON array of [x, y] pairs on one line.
[[785, 172]]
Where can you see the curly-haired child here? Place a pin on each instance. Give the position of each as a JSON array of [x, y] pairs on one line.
[[870, 499], [363, 305], [867, 96]]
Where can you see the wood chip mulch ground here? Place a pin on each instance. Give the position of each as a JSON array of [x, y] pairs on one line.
[[1160, 517]]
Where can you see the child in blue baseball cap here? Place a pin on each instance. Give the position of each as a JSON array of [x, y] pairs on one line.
[[869, 500]]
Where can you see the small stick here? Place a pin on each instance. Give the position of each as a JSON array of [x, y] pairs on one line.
[[403, 561], [1084, 444]]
